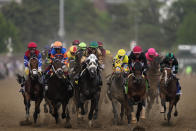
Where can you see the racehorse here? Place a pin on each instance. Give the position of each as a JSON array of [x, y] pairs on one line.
[[154, 79], [168, 89], [116, 92], [89, 88], [136, 91], [58, 93], [33, 89]]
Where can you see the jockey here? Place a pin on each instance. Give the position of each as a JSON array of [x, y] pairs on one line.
[[138, 55], [76, 43], [151, 54], [71, 53], [93, 49], [100, 46], [32, 51], [171, 61], [121, 55], [57, 52]]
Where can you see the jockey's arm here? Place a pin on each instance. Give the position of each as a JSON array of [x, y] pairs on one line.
[[26, 61], [39, 62]]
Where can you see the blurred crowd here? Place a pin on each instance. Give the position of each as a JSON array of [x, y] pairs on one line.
[[10, 66]]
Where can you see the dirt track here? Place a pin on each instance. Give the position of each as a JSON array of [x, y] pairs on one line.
[[12, 111]]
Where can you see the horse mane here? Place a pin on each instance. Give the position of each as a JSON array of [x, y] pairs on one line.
[[138, 66]]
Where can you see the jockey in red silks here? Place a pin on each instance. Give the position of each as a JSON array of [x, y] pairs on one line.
[[151, 54], [31, 52]]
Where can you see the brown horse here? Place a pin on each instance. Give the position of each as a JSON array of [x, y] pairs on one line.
[[168, 89], [154, 79], [116, 91], [58, 92], [136, 91], [33, 90]]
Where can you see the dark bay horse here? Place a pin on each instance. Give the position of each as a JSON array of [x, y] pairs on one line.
[[154, 79], [116, 92], [168, 89], [58, 93], [136, 91], [89, 88], [33, 90]]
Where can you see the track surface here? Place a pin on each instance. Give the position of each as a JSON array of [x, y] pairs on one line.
[[12, 111]]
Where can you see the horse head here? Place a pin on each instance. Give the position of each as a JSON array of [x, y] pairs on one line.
[[33, 64], [57, 68], [92, 65], [137, 70], [118, 67]]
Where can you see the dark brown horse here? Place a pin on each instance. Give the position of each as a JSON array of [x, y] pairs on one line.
[[136, 91], [168, 89], [33, 89], [58, 92], [154, 79]]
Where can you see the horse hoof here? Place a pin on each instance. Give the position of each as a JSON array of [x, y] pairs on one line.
[[63, 116], [90, 123], [133, 121], [95, 117], [45, 110], [175, 113], [68, 125], [25, 123], [115, 122]]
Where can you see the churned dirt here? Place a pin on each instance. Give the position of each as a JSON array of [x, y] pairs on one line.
[[12, 111]]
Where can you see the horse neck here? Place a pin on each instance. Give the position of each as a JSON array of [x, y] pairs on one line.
[[118, 78]]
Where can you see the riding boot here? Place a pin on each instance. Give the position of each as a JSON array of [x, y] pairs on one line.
[[178, 88]]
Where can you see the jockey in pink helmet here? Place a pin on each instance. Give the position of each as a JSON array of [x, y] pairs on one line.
[[151, 54]]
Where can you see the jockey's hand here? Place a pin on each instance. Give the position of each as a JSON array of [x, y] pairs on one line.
[[26, 71], [39, 70]]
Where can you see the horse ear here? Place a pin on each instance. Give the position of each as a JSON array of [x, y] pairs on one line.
[[88, 60]]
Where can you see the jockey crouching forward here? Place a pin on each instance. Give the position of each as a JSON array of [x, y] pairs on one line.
[[120, 57], [57, 52], [151, 54], [138, 56], [31, 52], [171, 61]]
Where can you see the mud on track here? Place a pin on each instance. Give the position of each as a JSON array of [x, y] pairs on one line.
[[12, 111]]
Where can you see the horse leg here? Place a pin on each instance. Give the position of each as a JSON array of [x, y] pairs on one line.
[[129, 110], [177, 99], [37, 110], [170, 110], [67, 124], [92, 109], [95, 115], [55, 113], [115, 112], [139, 109], [45, 106], [122, 111], [63, 115], [27, 105]]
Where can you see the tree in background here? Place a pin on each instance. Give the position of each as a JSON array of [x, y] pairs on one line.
[[7, 29]]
